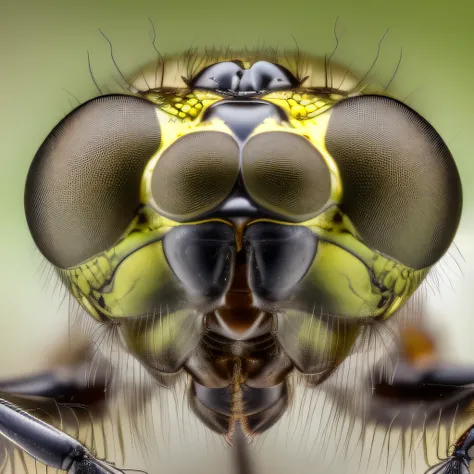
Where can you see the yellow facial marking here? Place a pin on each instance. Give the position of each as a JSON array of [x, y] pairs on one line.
[[187, 106], [360, 281], [346, 281], [88, 281], [166, 332], [135, 281], [301, 106], [315, 344]]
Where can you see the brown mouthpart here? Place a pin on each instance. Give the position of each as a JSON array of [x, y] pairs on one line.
[[238, 418], [238, 318]]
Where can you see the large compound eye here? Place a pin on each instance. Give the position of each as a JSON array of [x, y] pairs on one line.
[[401, 187], [83, 187], [285, 173], [195, 174]]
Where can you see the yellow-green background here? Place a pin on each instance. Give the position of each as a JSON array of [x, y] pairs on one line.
[[43, 50]]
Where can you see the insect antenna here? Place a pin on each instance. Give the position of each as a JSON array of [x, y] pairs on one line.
[[395, 72], [161, 60], [127, 89], [344, 77], [146, 80], [338, 39], [298, 59], [72, 95], [414, 91], [190, 57], [356, 87], [91, 73]]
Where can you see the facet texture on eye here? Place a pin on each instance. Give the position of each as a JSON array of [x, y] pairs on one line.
[[285, 173], [83, 187], [195, 174], [401, 186]]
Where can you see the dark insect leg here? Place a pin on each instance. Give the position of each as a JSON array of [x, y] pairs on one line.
[[420, 377], [419, 373], [453, 376], [243, 462], [47, 444], [65, 386], [460, 459], [77, 382]]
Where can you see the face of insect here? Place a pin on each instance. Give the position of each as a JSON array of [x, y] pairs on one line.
[[242, 222]]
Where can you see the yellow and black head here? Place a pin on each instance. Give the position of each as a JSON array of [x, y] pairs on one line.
[[335, 203]]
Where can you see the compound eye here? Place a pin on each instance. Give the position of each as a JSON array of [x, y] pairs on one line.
[[401, 187], [195, 174], [83, 186], [286, 174]]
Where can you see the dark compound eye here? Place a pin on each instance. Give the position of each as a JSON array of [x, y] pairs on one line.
[[83, 187], [286, 174], [195, 174], [401, 186]]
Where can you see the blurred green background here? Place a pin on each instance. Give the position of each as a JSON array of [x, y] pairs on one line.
[[43, 53]]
